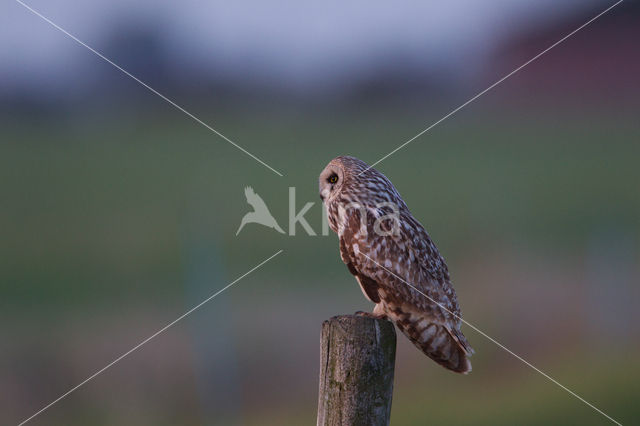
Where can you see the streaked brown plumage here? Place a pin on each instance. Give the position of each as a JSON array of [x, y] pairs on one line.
[[361, 204]]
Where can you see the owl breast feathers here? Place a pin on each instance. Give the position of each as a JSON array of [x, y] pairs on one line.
[[391, 255]]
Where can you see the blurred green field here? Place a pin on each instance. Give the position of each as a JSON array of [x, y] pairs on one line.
[[86, 201], [533, 401], [98, 215]]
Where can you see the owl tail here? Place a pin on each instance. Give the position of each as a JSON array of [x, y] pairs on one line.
[[448, 347]]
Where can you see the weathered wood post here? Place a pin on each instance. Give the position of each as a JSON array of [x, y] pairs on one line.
[[357, 359]]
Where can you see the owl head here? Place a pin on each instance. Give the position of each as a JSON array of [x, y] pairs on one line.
[[341, 173], [347, 184], [350, 179]]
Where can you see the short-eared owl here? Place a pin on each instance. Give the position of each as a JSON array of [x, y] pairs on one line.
[[389, 251]]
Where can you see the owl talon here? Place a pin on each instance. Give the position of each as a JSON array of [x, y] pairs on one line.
[[370, 315]]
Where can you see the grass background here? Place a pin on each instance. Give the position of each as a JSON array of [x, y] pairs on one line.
[[108, 216]]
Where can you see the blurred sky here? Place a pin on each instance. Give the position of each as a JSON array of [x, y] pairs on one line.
[[300, 46]]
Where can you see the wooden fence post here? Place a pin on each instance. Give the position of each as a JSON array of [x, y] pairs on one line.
[[357, 359]]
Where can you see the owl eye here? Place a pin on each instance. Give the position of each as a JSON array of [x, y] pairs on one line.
[[333, 178]]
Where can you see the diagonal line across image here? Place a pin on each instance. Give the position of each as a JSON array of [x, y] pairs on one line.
[[495, 84], [500, 345], [145, 85], [147, 340]]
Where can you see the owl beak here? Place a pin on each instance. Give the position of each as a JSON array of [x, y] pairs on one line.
[[324, 193]]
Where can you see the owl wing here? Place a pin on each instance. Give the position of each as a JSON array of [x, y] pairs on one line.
[[369, 287], [378, 261], [411, 278]]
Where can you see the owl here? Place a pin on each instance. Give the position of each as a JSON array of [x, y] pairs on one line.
[[393, 259]]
